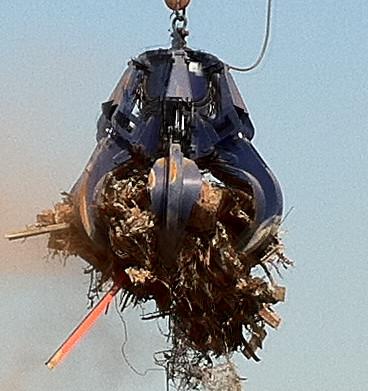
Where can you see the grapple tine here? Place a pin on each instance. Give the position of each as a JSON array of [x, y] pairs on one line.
[[239, 165], [175, 184]]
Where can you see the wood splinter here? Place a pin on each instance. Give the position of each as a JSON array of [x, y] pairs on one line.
[[37, 231]]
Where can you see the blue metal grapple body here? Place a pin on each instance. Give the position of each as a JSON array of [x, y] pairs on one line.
[[180, 109]]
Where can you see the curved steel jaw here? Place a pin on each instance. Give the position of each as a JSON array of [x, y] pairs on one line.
[[175, 185]]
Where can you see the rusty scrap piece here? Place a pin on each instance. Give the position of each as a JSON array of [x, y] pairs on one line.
[[270, 317]]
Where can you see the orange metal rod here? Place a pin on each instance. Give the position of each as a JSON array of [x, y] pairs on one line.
[[83, 327]]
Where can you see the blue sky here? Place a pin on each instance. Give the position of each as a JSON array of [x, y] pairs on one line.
[[308, 101]]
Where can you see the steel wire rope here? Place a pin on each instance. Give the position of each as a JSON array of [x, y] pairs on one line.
[[123, 346], [265, 44]]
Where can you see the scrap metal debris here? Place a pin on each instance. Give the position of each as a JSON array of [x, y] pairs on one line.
[[217, 299]]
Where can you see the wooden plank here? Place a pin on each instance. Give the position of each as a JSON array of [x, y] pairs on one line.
[[36, 231], [270, 317]]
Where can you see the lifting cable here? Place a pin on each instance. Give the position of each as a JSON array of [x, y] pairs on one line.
[[265, 44]]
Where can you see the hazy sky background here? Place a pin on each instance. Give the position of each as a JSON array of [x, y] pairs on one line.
[[308, 100]]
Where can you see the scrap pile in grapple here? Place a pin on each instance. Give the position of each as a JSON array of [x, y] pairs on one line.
[[216, 297]]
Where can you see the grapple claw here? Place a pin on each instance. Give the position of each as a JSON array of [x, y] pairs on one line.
[[142, 215], [240, 166], [175, 184]]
